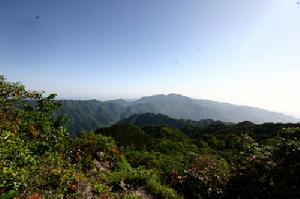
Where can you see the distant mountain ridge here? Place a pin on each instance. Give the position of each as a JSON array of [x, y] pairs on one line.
[[93, 114], [146, 119]]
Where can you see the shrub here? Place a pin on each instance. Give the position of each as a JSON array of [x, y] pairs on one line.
[[206, 178]]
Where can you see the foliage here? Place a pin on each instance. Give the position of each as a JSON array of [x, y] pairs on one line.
[[147, 178], [28, 133], [206, 177], [39, 160], [126, 135], [147, 119]]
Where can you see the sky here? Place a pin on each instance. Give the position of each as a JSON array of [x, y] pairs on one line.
[[243, 52]]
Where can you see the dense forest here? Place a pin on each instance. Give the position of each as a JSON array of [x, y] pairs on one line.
[[143, 156]]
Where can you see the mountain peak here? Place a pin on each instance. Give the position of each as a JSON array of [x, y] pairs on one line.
[[174, 95], [169, 96]]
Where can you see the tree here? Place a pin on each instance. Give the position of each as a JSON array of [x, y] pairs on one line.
[[28, 131]]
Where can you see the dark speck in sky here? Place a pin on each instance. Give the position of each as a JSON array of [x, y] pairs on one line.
[[37, 17]]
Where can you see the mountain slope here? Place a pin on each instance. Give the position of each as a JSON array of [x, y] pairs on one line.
[[146, 119], [89, 115], [181, 107], [176, 106], [237, 113], [93, 114]]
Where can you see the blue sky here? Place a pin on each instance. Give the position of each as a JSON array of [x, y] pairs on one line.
[[243, 52]]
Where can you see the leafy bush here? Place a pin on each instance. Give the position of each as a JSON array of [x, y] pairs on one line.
[[206, 178], [140, 177], [28, 132]]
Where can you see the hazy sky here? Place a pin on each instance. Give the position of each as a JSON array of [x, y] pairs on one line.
[[240, 51]]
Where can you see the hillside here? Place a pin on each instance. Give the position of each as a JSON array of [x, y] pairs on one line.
[[89, 115], [93, 114], [39, 159], [235, 161], [145, 119], [182, 107]]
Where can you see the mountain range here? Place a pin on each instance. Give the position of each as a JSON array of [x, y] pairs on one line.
[[93, 114]]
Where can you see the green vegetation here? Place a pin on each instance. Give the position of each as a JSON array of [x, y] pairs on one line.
[[39, 159], [146, 119], [88, 115], [148, 156]]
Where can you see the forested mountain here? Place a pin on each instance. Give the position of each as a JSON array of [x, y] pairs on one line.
[[145, 119], [89, 115], [93, 114], [182, 107], [206, 127]]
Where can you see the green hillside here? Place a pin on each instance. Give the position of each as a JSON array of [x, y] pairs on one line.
[[39, 159], [145, 119], [93, 114]]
